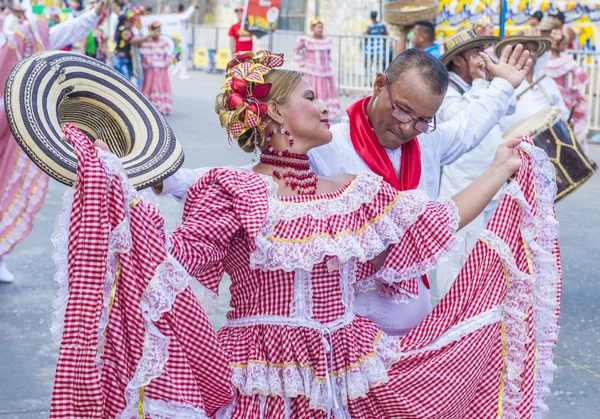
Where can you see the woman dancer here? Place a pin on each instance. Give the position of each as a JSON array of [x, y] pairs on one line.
[[156, 61], [570, 79], [296, 245], [313, 54]]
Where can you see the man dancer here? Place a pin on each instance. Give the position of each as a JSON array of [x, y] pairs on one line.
[[22, 185], [394, 134], [184, 16], [469, 79], [537, 91]]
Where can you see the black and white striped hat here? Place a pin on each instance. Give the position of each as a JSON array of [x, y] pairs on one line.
[[50, 89]]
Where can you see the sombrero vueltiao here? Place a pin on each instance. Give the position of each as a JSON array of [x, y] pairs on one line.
[[522, 37], [50, 89], [462, 41]]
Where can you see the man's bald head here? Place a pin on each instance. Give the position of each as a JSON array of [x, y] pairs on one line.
[[430, 68], [417, 85]]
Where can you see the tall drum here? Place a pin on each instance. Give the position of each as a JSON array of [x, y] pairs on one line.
[[553, 135]]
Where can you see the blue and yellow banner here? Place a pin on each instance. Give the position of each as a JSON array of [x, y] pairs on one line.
[[581, 16]]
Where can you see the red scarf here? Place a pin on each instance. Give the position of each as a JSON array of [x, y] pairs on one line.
[[367, 146]]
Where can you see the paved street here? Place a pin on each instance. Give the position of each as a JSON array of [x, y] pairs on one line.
[[28, 352]]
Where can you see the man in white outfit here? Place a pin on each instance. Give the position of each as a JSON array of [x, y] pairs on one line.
[[402, 108], [537, 91], [469, 80], [184, 16]]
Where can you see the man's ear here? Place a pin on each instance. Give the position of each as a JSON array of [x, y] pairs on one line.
[[457, 61], [275, 112], [379, 84]]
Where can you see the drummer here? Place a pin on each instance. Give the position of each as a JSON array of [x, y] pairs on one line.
[[469, 80], [537, 91]]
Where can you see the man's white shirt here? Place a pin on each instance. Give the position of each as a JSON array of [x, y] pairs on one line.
[[456, 176], [541, 96], [459, 174]]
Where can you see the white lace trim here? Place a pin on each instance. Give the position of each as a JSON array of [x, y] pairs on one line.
[[271, 320], [294, 380], [391, 276], [31, 179], [209, 300], [18, 173], [383, 231], [558, 67], [460, 330], [160, 409], [515, 307], [119, 242], [347, 282], [302, 302], [169, 281], [453, 215], [317, 44], [540, 232], [361, 191], [60, 241]]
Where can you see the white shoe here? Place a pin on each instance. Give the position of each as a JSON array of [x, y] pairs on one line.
[[185, 76], [5, 275]]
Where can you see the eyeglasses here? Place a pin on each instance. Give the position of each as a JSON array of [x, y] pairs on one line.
[[423, 127], [155, 28]]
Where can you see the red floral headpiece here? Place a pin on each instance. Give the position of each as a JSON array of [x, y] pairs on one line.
[[244, 88]]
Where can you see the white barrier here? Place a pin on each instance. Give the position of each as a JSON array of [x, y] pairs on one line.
[[356, 59]]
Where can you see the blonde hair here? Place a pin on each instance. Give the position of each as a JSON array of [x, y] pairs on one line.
[[314, 23], [283, 83]]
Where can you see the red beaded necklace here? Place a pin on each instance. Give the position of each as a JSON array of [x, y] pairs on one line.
[[292, 167]]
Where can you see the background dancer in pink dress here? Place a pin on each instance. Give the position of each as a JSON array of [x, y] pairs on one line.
[[23, 186], [156, 61], [570, 79], [313, 53]]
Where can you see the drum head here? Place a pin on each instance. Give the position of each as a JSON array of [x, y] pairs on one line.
[[534, 125]]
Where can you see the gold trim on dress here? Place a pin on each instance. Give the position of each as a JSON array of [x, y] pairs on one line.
[[308, 366], [341, 233]]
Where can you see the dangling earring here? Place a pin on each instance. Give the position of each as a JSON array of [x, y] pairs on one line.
[[283, 131], [291, 167]]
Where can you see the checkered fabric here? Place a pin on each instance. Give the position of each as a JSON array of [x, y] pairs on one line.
[[227, 213], [294, 348], [463, 378], [156, 359]]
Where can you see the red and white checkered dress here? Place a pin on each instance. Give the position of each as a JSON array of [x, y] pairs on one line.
[[297, 350], [294, 346], [157, 86], [134, 340], [571, 80]]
